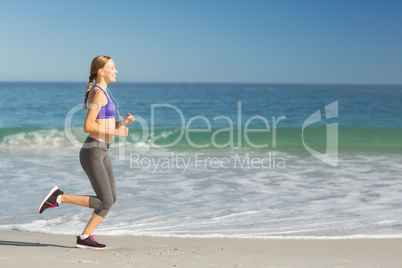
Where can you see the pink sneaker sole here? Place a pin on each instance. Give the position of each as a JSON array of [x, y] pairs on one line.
[[83, 246]]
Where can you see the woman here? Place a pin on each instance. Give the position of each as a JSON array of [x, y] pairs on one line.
[[101, 125]]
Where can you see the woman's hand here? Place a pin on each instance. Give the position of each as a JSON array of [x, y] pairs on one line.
[[121, 132], [128, 119]]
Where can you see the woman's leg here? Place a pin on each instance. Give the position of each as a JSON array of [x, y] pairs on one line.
[[80, 200], [92, 161], [97, 219], [94, 164], [92, 224], [84, 202], [110, 173]]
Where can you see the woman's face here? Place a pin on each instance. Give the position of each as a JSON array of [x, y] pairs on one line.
[[109, 71]]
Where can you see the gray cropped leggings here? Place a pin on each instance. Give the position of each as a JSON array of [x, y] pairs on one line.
[[96, 164]]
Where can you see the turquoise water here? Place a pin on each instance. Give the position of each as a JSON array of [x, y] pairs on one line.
[[46, 104], [212, 159]]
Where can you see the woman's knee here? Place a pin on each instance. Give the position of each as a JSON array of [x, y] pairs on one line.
[[101, 213], [107, 203]]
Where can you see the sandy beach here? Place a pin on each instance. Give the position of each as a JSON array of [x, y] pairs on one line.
[[23, 249]]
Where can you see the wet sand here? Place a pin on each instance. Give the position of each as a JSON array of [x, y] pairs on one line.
[[25, 249]]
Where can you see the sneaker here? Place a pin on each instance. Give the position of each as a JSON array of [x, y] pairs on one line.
[[89, 242], [50, 200]]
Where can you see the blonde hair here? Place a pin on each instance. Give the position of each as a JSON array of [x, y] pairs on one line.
[[97, 63]]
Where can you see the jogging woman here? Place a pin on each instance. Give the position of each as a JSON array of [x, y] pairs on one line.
[[101, 125]]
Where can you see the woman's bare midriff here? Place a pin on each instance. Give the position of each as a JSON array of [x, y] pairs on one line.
[[105, 123]]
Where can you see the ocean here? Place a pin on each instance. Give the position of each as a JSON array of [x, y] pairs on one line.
[[211, 159]]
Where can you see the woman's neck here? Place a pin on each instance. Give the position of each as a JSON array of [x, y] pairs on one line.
[[101, 84]]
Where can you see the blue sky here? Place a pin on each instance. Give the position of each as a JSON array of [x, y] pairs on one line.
[[341, 41]]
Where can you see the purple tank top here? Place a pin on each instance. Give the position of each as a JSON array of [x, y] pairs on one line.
[[107, 111]]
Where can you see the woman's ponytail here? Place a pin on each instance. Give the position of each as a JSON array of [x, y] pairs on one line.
[[85, 106]]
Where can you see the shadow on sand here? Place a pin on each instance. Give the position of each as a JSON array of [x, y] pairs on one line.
[[29, 244]]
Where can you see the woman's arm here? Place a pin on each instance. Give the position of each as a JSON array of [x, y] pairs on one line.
[[126, 121], [119, 124], [91, 126]]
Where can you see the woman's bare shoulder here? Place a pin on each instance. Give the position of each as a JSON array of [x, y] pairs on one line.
[[96, 96]]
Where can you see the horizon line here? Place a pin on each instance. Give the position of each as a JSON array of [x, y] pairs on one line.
[[233, 83]]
